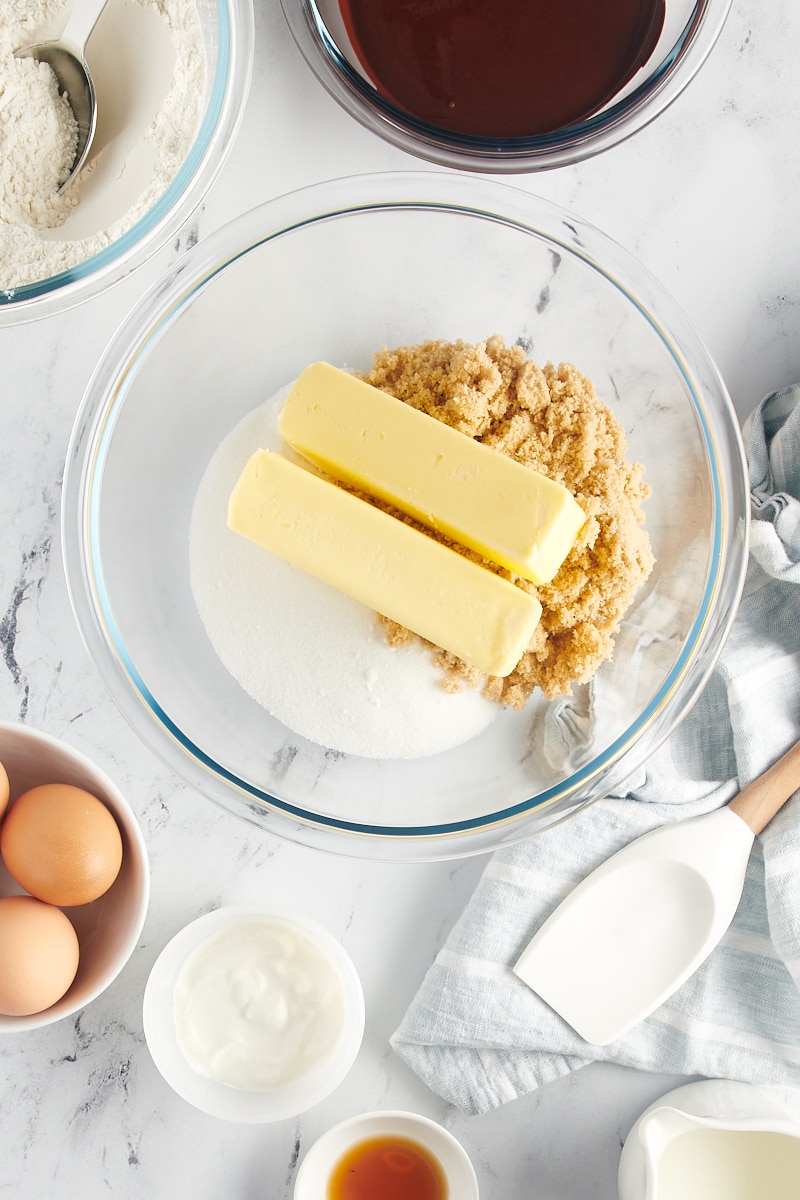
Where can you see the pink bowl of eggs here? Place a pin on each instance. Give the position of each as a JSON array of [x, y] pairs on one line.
[[74, 880]]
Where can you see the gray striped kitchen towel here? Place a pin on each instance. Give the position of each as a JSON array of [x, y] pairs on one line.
[[479, 1037]]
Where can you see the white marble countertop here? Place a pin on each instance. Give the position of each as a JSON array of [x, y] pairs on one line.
[[706, 197]]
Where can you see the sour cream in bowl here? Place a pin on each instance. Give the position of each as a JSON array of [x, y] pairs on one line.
[[253, 1014]]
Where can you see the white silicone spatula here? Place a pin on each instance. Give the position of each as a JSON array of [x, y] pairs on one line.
[[635, 929]]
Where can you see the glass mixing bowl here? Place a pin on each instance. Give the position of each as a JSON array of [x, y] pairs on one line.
[[690, 30], [227, 29], [334, 272]]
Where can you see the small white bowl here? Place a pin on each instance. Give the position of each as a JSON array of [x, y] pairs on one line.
[[216, 1098], [316, 1167], [108, 928]]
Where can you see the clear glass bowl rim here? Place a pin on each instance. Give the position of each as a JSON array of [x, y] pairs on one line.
[[106, 393], [613, 124]]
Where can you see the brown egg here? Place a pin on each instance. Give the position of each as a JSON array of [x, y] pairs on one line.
[[61, 844], [3, 790], [38, 955]]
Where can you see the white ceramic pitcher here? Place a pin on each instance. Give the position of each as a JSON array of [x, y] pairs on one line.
[[715, 1140]]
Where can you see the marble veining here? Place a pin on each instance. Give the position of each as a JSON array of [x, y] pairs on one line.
[[706, 198]]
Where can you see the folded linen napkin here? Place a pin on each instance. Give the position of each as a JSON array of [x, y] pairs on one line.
[[480, 1037]]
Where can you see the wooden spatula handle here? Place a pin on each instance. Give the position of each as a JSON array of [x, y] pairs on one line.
[[760, 800]]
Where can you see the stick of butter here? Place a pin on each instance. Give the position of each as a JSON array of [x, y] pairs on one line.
[[384, 563], [362, 436]]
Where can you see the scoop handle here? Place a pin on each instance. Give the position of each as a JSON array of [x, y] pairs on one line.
[[82, 20], [757, 803]]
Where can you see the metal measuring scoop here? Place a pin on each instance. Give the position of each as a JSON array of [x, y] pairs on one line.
[[66, 59]]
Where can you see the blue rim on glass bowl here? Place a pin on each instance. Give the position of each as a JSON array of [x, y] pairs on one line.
[[335, 271], [691, 29], [227, 27]]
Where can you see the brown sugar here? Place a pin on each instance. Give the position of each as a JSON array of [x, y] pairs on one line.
[[551, 420]]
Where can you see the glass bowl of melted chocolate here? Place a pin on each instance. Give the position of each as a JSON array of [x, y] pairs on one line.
[[507, 86]]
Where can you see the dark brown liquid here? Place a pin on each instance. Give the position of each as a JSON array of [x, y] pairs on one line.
[[387, 1168], [502, 68]]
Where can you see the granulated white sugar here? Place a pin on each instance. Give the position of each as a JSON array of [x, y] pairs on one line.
[[315, 659], [149, 64]]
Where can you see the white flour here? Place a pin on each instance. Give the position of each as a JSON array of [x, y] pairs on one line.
[[40, 136], [148, 61], [314, 658]]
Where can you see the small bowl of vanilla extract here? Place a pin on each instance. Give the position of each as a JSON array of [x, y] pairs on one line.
[[505, 87], [394, 1155]]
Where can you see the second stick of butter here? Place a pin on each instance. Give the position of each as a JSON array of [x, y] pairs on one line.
[[384, 563]]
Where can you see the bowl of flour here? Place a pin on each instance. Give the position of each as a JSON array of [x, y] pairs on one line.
[[283, 700], [171, 78]]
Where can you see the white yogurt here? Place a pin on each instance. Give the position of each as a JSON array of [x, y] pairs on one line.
[[258, 1006], [314, 658]]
